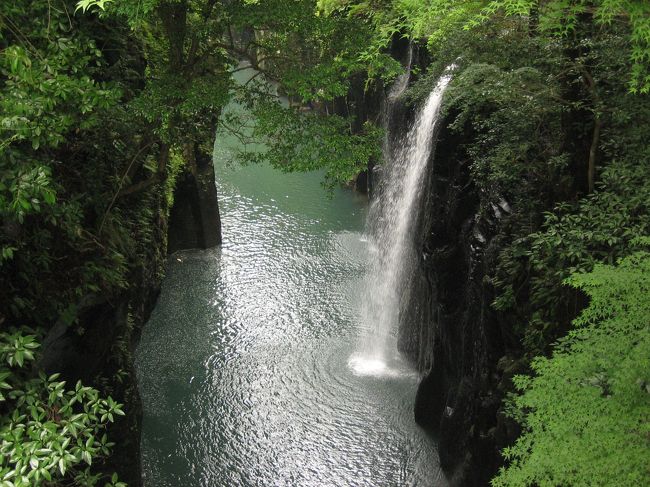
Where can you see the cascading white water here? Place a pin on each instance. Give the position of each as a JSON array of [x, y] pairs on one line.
[[390, 232]]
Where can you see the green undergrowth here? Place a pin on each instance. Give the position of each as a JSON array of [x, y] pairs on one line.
[[585, 408]]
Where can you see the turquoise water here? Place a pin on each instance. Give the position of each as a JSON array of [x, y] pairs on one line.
[[243, 366]]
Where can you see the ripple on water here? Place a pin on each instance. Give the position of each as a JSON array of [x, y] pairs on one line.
[[248, 366]]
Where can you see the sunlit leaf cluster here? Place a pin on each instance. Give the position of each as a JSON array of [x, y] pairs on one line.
[[586, 408], [48, 431]]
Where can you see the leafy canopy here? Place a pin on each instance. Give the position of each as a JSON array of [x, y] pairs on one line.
[[437, 20], [311, 58]]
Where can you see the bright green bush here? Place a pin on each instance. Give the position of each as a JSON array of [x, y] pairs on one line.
[[586, 409], [48, 432]]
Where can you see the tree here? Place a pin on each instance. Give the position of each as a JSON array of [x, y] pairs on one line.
[[193, 47]]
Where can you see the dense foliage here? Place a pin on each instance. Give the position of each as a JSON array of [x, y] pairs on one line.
[[439, 20], [49, 96], [70, 238], [192, 47], [586, 408], [47, 430], [105, 103]]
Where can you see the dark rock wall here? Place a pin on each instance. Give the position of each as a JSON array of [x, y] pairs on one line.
[[194, 220], [99, 349], [449, 328]]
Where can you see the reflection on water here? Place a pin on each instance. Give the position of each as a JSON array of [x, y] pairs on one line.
[[244, 366]]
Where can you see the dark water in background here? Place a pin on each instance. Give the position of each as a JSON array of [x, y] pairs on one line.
[[243, 366]]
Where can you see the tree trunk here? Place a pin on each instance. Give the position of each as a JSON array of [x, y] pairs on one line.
[[593, 152]]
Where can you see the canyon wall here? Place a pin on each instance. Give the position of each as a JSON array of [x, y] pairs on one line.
[[449, 328]]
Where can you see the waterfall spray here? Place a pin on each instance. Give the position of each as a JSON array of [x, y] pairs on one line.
[[390, 231]]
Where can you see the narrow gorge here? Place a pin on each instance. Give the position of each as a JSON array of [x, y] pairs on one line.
[[324, 243], [263, 380]]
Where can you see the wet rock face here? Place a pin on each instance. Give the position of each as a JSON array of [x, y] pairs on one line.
[[449, 328], [194, 221]]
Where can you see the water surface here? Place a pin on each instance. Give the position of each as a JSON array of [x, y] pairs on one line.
[[244, 365]]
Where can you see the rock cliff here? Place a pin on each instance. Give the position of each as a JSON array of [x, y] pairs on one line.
[[449, 328]]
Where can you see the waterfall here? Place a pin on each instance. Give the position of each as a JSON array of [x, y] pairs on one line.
[[390, 231]]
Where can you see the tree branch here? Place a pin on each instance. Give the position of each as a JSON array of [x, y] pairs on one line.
[[595, 137], [128, 173], [142, 185]]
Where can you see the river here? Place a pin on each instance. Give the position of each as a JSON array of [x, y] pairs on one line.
[[244, 367]]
